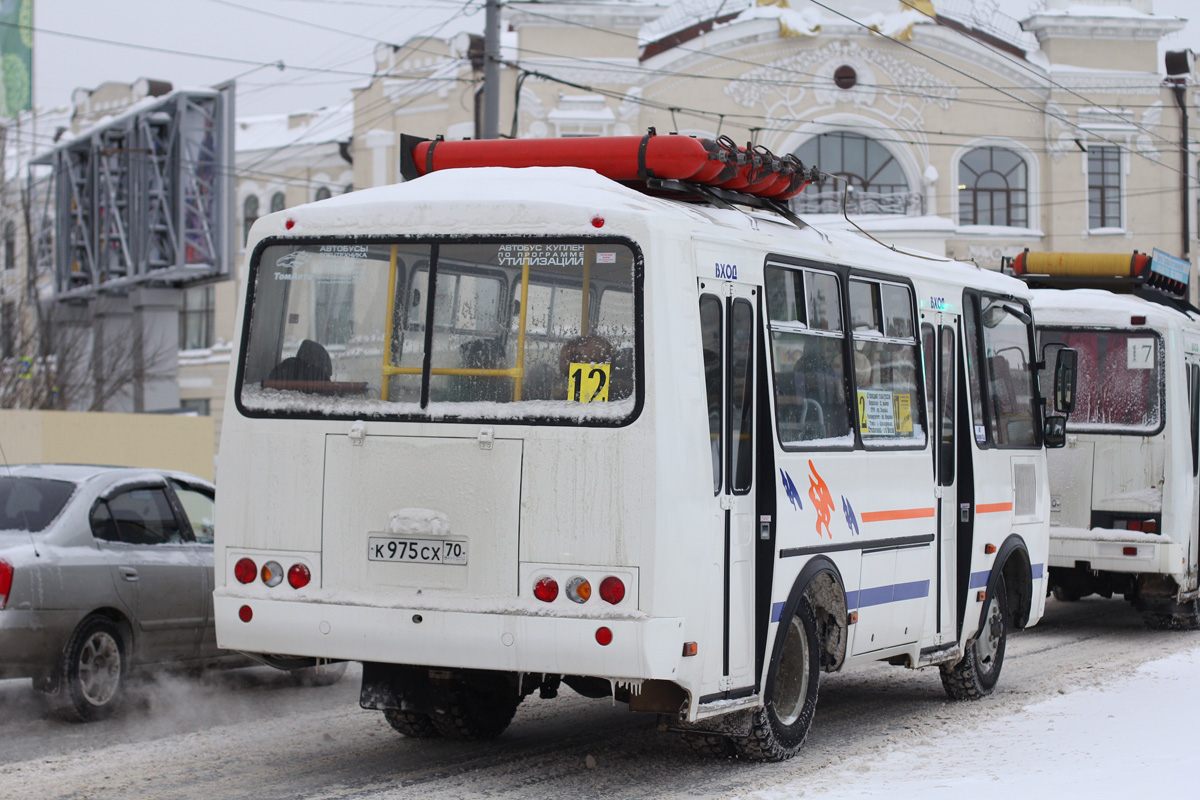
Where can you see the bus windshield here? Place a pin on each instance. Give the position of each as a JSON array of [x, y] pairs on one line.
[[1119, 389], [506, 329]]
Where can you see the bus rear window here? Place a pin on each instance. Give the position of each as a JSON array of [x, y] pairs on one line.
[[1119, 388], [523, 330]]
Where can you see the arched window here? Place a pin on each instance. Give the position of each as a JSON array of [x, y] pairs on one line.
[[277, 202], [880, 186], [323, 193], [348, 188], [249, 215], [993, 188]]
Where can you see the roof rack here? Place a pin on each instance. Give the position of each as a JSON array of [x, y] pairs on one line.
[[1161, 278], [670, 163]]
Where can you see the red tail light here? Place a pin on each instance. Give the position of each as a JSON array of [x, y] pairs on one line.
[[612, 590], [1133, 525], [546, 589], [6, 579], [1150, 526], [299, 576], [245, 613], [245, 570], [604, 636]]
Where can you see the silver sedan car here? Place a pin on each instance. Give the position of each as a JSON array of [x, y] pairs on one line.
[[104, 570]]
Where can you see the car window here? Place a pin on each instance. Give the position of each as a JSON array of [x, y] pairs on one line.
[[200, 510], [138, 516], [30, 504]]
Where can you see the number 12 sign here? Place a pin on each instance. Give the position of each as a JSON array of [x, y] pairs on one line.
[[588, 383]]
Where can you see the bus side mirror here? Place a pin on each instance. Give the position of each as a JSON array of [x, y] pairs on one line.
[[1065, 375], [1055, 432]]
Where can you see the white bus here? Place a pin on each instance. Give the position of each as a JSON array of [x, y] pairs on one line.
[[1124, 500], [496, 429]]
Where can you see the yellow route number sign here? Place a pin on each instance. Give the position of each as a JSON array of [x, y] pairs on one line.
[[588, 383]]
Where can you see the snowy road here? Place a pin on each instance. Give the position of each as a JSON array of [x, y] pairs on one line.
[[248, 734]]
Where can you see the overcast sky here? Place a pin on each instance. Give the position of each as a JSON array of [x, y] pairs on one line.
[[332, 40]]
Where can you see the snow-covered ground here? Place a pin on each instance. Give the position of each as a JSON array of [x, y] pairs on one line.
[[1130, 736]]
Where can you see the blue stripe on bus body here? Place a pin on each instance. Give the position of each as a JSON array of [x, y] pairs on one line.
[[904, 591], [879, 595]]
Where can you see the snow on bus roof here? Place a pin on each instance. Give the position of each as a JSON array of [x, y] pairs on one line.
[[547, 198], [1099, 306]]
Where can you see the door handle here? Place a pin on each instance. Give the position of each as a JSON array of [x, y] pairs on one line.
[[129, 573]]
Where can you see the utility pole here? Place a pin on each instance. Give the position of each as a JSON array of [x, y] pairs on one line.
[[491, 71]]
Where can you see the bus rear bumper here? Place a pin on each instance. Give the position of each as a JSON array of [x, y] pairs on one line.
[[1111, 551], [641, 648]]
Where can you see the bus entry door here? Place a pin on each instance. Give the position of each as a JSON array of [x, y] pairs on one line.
[[941, 344], [728, 312]]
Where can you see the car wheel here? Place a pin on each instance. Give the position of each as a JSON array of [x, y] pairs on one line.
[[91, 672], [319, 675]]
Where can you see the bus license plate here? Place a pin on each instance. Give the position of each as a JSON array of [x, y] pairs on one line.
[[416, 551]]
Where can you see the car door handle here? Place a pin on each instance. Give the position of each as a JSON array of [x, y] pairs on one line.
[[129, 573]]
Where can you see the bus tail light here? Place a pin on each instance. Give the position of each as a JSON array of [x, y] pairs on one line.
[[546, 589], [604, 636], [245, 614], [1150, 526], [1129, 551], [299, 576], [612, 590], [245, 570], [1133, 524], [6, 579], [579, 590], [272, 573]]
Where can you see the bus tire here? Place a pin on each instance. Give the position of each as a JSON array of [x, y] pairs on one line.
[[477, 709], [708, 744], [412, 724], [1065, 595], [779, 726], [1186, 621], [975, 676], [91, 672]]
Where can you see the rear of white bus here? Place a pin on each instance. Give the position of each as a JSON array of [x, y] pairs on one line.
[[425, 467], [1124, 488]]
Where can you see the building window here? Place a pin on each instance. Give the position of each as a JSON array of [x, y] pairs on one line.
[[323, 193], [993, 188], [201, 406], [1104, 187], [249, 215], [196, 317], [880, 186], [10, 245], [348, 188], [8, 329], [277, 202]]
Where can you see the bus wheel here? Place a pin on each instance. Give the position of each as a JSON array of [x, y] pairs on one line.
[[778, 728], [477, 709], [976, 674], [707, 744], [1187, 621], [412, 724]]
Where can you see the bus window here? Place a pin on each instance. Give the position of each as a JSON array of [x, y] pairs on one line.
[[804, 307], [971, 322], [1119, 389], [516, 330], [741, 396], [1007, 365], [885, 364], [711, 337]]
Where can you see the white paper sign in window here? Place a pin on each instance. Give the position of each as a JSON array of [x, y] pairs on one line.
[[1140, 354]]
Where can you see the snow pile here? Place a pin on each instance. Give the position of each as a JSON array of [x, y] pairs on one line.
[[1076, 745], [418, 522]]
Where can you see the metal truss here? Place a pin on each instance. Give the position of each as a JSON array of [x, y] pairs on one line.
[[144, 198]]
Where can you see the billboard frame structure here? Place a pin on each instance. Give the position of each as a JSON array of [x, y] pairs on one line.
[[142, 199]]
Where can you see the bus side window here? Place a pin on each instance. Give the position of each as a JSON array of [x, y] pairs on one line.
[[886, 367], [711, 337], [1193, 384], [807, 346]]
